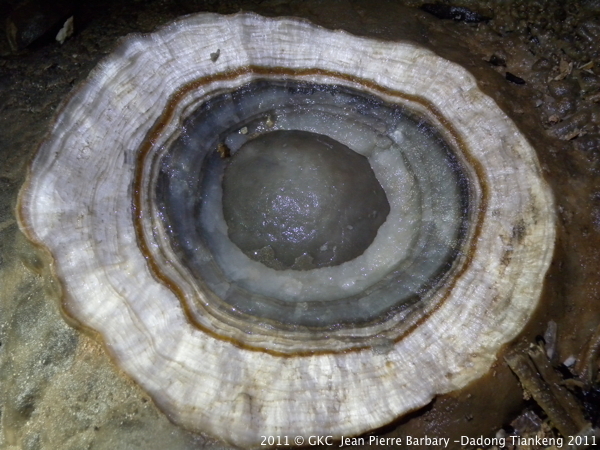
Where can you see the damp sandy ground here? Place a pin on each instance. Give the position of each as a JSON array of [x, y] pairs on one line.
[[58, 388]]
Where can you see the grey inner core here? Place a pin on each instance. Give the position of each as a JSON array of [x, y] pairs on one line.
[[301, 200]]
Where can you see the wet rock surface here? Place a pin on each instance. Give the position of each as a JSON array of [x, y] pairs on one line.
[[291, 220], [58, 388]]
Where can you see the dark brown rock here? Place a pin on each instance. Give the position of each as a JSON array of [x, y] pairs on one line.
[[33, 19], [562, 88], [588, 144], [458, 13]]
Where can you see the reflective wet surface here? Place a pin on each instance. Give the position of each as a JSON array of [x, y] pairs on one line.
[[58, 388]]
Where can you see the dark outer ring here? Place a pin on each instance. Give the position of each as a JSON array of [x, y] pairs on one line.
[[155, 131]]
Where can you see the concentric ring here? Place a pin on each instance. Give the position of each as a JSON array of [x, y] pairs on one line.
[[238, 375], [414, 249]]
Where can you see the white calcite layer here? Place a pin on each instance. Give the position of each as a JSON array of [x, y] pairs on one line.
[[77, 202]]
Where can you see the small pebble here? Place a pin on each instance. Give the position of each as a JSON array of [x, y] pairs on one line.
[[458, 13]]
